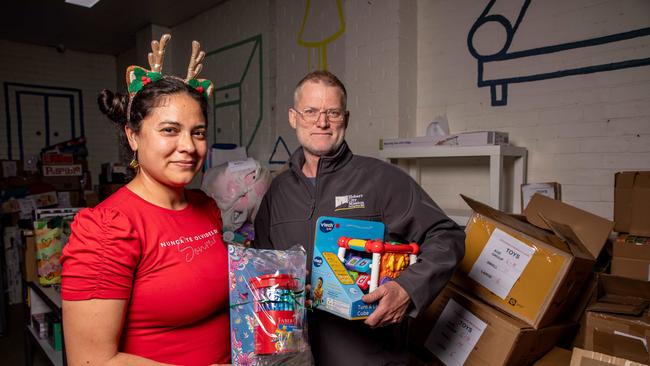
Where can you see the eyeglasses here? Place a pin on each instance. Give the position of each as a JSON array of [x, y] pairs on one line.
[[334, 115]]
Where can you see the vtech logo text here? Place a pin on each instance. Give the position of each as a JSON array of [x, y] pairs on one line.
[[326, 226], [318, 261]]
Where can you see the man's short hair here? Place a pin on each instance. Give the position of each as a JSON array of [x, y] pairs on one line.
[[324, 77]]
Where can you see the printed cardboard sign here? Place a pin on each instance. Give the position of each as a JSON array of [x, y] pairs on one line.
[[501, 263], [455, 334], [62, 170]]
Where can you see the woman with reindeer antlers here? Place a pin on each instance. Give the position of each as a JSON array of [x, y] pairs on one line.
[[145, 278]]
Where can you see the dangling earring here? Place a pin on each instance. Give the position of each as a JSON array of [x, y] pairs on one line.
[[134, 162]]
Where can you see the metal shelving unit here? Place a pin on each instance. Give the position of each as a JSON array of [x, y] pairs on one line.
[[42, 299]]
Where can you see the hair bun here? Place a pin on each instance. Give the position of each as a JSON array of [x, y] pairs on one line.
[[113, 105]]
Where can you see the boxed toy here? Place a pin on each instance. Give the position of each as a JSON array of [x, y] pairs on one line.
[[350, 260], [267, 313]]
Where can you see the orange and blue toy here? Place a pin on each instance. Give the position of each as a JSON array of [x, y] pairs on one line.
[[388, 259]]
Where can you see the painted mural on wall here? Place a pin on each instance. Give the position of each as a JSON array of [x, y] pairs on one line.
[[236, 71], [39, 116], [280, 154], [321, 25], [500, 64]]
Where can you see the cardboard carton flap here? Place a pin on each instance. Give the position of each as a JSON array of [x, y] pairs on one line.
[[507, 219], [642, 180], [592, 230], [621, 346], [624, 179], [623, 286], [565, 233], [621, 295]]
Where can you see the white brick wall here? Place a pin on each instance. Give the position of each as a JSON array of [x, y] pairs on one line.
[[406, 62], [23, 63], [579, 130]]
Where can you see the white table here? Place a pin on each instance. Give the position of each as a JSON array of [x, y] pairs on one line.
[[408, 157]]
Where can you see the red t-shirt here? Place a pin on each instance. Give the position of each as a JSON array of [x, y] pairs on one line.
[[172, 267]]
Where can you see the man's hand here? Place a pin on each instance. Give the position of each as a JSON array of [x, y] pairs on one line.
[[393, 302]]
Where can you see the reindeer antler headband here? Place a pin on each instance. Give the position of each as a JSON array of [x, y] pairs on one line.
[[137, 77]]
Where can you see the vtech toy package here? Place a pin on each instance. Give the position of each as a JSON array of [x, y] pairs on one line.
[[351, 260], [267, 313]]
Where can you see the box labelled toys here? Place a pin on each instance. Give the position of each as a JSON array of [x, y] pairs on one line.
[[350, 260]]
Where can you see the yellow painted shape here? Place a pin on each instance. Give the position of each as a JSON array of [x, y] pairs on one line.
[[321, 46]]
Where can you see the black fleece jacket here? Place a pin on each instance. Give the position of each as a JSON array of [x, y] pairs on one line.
[[368, 189]]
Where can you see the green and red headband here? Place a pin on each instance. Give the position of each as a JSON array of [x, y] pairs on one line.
[[137, 77]]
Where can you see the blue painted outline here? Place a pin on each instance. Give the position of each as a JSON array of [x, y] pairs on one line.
[[499, 87], [275, 148], [76, 92]]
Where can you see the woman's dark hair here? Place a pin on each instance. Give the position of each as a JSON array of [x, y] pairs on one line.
[[114, 106]]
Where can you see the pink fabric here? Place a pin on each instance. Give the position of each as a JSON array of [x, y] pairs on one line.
[[170, 265]]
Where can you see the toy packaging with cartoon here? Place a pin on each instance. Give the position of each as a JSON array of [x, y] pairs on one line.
[[51, 234], [351, 260], [268, 321]]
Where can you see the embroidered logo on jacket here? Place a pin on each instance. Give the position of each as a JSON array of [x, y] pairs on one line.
[[349, 202]]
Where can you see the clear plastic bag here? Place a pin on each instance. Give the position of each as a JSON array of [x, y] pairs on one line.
[[268, 321]]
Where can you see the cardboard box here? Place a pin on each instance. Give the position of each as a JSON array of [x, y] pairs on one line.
[[581, 357], [631, 268], [523, 270], [618, 323], [461, 328], [632, 202], [69, 198], [10, 168], [555, 357], [631, 257], [30, 273], [91, 198]]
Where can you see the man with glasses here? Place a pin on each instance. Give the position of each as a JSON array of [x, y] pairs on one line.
[[326, 179]]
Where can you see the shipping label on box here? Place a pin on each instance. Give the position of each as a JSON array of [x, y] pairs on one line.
[[501, 263], [455, 334], [62, 170]]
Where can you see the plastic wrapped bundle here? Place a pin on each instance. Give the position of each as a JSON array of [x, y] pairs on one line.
[[267, 312], [238, 188]]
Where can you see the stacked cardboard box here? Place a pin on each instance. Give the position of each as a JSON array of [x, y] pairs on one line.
[[617, 323], [632, 203], [631, 252], [518, 289], [631, 257], [581, 357]]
